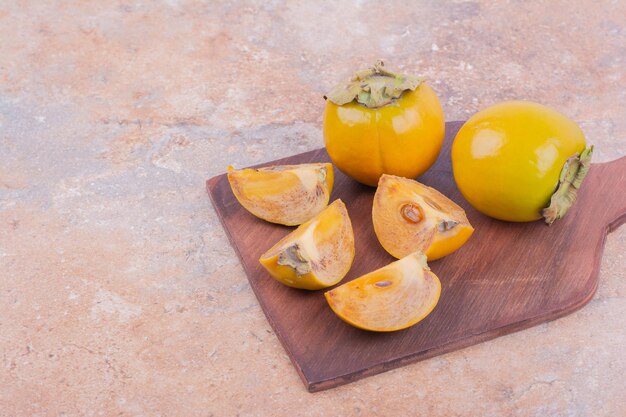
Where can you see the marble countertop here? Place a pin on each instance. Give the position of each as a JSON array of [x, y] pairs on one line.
[[119, 291]]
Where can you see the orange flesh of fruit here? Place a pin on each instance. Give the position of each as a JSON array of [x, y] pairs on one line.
[[284, 194], [318, 254], [391, 298], [409, 216]]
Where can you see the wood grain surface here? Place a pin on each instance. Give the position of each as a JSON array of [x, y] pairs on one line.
[[509, 276]]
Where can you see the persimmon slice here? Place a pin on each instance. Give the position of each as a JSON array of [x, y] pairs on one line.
[[283, 194], [318, 254], [391, 298], [409, 216]]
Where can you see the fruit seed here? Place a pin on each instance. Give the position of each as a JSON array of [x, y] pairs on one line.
[[412, 213]]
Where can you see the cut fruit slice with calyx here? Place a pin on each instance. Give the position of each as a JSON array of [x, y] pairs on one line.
[[283, 194], [318, 254], [409, 216], [391, 298]]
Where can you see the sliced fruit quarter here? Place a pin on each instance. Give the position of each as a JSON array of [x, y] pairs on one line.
[[391, 298], [284, 194], [409, 216], [318, 254]]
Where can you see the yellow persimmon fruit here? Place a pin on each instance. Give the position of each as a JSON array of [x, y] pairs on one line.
[[391, 298], [318, 254], [409, 216], [381, 122], [520, 161], [284, 194]]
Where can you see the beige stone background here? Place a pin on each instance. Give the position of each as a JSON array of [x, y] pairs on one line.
[[119, 292]]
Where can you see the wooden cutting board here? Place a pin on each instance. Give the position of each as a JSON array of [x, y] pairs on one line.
[[508, 276]]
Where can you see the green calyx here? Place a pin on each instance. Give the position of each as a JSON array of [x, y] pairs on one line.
[[294, 257], [373, 87], [572, 176]]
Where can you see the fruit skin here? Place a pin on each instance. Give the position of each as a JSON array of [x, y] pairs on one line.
[[402, 138], [438, 227], [391, 298], [507, 158], [318, 254], [283, 194]]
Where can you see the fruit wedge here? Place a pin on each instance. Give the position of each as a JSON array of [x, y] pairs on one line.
[[409, 216], [391, 298], [284, 194], [318, 254]]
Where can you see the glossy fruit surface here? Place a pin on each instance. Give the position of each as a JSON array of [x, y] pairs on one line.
[[286, 194], [318, 254], [391, 298], [400, 136], [409, 216], [507, 159]]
